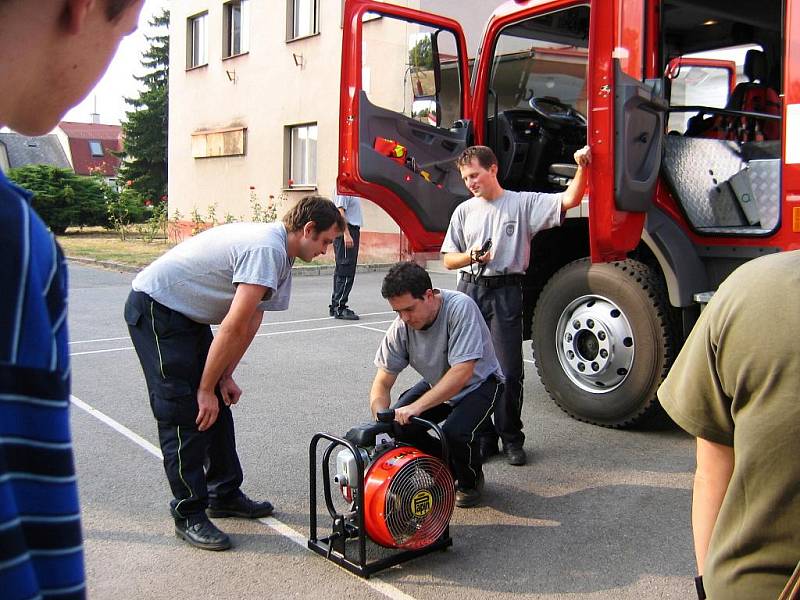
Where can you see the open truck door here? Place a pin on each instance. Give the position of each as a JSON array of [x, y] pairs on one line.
[[626, 129], [403, 115], [552, 77]]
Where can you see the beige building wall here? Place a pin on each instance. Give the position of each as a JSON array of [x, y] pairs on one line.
[[277, 83]]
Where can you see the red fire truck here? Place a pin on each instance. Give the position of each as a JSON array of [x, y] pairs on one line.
[[690, 176]]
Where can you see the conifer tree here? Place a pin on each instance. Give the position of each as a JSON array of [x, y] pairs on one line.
[[144, 151]]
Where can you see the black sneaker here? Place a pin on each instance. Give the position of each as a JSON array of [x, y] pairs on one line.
[[515, 455], [469, 497], [487, 448], [202, 534], [346, 314], [331, 310], [240, 506]]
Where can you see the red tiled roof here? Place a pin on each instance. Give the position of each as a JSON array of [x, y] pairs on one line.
[[94, 131], [80, 134]]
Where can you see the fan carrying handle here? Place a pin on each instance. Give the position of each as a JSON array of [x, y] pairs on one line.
[[386, 415]]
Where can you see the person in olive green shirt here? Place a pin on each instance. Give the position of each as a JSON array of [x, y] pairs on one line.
[[736, 387]]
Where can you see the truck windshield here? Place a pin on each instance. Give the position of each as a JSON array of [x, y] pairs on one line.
[[543, 57]]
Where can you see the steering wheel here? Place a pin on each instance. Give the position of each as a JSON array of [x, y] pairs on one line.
[[552, 110]]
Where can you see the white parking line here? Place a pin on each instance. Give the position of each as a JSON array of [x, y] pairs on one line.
[[101, 351], [319, 329], [114, 339], [134, 437], [373, 328], [267, 334], [269, 324], [280, 527]]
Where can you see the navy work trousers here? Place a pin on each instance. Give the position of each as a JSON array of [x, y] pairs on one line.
[[461, 424], [173, 350], [345, 272], [502, 309]]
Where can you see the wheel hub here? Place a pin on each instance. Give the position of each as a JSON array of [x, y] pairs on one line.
[[595, 344]]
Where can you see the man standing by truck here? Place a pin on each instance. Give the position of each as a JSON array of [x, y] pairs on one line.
[[493, 276]]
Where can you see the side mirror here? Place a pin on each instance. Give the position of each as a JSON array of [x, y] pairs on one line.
[[425, 75]]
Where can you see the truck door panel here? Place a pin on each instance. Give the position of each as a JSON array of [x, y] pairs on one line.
[[639, 115], [433, 151]]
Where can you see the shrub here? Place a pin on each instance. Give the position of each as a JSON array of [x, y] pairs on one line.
[[125, 208], [62, 198]]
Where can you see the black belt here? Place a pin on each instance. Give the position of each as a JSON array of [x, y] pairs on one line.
[[493, 281]]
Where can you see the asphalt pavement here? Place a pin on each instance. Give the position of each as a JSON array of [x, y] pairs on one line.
[[597, 513]]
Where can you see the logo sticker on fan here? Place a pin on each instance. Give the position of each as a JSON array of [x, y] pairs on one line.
[[421, 503]]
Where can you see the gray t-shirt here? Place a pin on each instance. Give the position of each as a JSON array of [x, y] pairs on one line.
[[351, 206], [458, 334], [198, 277], [510, 221]]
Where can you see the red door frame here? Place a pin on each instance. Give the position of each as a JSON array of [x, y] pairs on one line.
[[728, 65], [349, 179]]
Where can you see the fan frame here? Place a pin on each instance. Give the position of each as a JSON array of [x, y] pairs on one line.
[[351, 526]]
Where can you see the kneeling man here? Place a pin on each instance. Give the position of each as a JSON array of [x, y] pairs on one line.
[[442, 335]]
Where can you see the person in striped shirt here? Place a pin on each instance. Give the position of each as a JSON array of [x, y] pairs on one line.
[[69, 42]]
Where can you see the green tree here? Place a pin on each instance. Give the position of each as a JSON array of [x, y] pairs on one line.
[[421, 54], [144, 153], [62, 198]]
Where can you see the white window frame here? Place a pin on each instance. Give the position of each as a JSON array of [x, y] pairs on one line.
[[93, 144], [231, 35], [197, 40], [302, 18], [302, 161]]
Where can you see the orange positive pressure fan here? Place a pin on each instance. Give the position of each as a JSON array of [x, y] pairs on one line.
[[397, 496]]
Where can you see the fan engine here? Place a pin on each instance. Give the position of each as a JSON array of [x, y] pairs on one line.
[[395, 495]]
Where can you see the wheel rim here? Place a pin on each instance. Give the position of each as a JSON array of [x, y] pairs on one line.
[[595, 344]]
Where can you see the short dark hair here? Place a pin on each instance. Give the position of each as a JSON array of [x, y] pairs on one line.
[[406, 278], [320, 210], [486, 157]]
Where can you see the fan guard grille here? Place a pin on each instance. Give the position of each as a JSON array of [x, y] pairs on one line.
[[419, 502]]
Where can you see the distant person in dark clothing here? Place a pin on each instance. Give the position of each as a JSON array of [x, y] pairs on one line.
[[345, 249]]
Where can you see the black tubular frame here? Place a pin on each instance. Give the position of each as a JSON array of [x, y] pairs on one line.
[[334, 546]]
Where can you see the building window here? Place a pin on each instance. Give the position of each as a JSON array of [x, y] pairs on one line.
[[302, 154], [96, 148], [196, 41], [303, 18], [236, 27]]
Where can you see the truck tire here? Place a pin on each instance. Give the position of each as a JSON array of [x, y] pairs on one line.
[[603, 340]]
